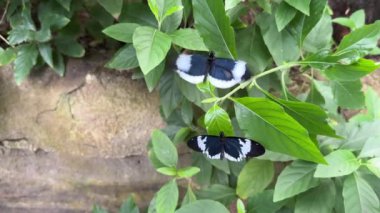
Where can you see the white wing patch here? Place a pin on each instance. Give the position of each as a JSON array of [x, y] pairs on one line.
[[229, 157], [245, 146], [222, 84], [239, 70], [217, 156], [191, 78], [184, 62], [202, 143]]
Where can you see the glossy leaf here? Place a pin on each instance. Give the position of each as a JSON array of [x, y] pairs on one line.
[[374, 166], [240, 206], [124, 59], [138, 13], [187, 172], [199, 207], [353, 71], [348, 94], [249, 184], [218, 192], [189, 39], [314, 42], [164, 149], [295, 179], [151, 47], [340, 163], [25, 60], [267, 122], [217, 120], [284, 14], [301, 5], [121, 31], [112, 6], [320, 199], [167, 198], [359, 196], [170, 171], [214, 27]]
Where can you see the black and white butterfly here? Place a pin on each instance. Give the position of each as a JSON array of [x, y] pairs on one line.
[[221, 72], [231, 148]]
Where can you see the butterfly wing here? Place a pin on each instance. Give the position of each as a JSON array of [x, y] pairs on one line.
[[236, 149], [192, 68], [209, 145], [225, 73]]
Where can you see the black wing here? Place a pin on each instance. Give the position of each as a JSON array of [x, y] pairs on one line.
[[209, 145], [236, 149], [192, 68]]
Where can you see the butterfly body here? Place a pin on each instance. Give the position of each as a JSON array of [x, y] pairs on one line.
[[231, 148], [221, 72]]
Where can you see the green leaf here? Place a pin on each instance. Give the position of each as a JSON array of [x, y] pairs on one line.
[[192, 93], [352, 72], [204, 176], [295, 179], [374, 166], [282, 45], [218, 192], [214, 26], [229, 4], [317, 200], [371, 148], [249, 184], [284, 14], [188, 172], [7, 56], [58, 64], [181, 135], [65, 4], [348, 94], [263, 202], [266, 5], [167, 198], [154, 160], [267, 122], [170, 95], [301, 5], [46, 53], [220, 164], [129, 206], [19, 35], [138, 13], [240, 206], [359, 196], [251, 48], [359, 18], [217, 120], [171, 22], [316, 8], [98, 209], [189, 39], [347, 22], [68, 46], [199, 207], [314, 42], [340, 163], [169, 171], [151, 47], [154, 76], [364, 38], [112, 6], [124, 59], [189, 196], [26, 59], [315, 96], [209, 100], [164, 149], [121, 31]]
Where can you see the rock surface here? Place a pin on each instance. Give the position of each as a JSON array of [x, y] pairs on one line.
[[67, 143]]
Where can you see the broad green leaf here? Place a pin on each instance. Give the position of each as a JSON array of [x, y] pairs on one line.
[[251, 48], [156, 163], [124, 59], [314, 42], [189, 196], [164, 149], [310, 116], [315, 97], [348, 94], [229, 4], [170, 171], [26, 59], [266, 5], [181, 135], [170, 95], [254, 178], [364, 38], [275, 156], [220, 164], [316, 10], [301, 5], [282, 45], [112, 6], [347, 22], [240, 206], [284, 14], [98, 209], [129, 206], [52, 16], [188, 38], [19, 35], [371, 148], [218, 192], [266, 122], [121, 31], [65, 4], [359, 18], [204, 176], [138, 13], [192, 93], [58, 64], [68, 46], [46, 53], [340, 163], [217, 120], [167, 197], [295, 179], [374, 166], [199, 207], [359, 196], [352, 72], [151, 47], [153, 77], [317, 200], [7, 56], [219, 177], [263, 202], [173, 15], [188, 172], [214, 26]]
